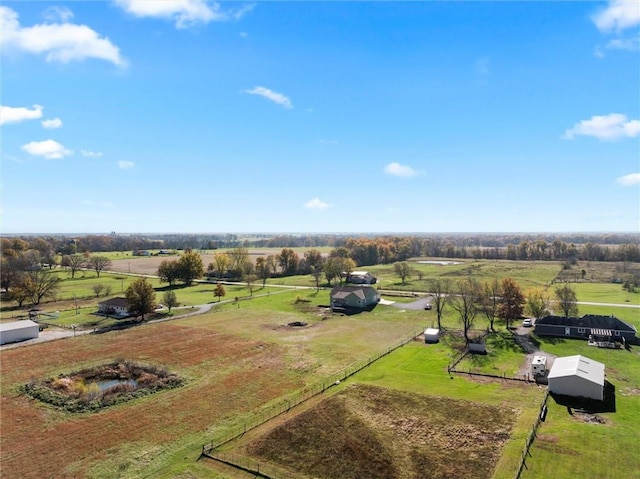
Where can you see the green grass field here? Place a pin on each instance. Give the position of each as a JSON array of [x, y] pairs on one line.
[[567, 446]]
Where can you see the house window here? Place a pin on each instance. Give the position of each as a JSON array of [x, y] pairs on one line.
[[581, 330], [567, 331], [617, 333]]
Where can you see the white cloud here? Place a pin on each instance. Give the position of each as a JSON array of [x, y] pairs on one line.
[[316, 204], [396, 169], [60, 42], [54, 14], [91, 154], [125, 165], [629, 180], [275, 97], [606, 127], [185, 13], [9, 114], [52, 124], [242, 11], [618, 15], [629, 44], [49, 149]]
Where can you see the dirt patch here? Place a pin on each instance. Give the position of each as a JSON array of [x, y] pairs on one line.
[[589, 418], [374, 432]]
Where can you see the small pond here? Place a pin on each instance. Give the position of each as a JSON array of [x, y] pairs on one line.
[[109, 383], [442, 263]]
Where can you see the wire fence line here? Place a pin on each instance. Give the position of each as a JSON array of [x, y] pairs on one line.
[[542, 414], [300, 396]]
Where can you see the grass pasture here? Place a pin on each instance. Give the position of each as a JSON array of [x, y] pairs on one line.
[[526, 274]]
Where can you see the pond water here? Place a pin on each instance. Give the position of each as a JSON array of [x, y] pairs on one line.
[[104, 385], [442, 263]]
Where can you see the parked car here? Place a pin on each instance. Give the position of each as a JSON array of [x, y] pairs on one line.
[[427, 306], [527, 323]]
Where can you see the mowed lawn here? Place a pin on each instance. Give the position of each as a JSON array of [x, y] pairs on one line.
[[568, 446], [236, 360]]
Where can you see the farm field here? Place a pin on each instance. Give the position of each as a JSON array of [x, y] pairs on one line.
[[218, 353], [381, 433]]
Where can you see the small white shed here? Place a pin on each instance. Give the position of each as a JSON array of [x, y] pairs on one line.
[[18, 331], [431, 335], [577, 376]]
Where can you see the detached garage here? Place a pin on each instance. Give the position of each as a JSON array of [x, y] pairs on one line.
[[577, 376], [18, 331]]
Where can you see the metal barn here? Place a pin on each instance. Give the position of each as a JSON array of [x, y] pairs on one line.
[[18, 331], [577, 376]]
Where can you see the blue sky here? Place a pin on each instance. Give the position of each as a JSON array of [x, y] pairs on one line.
[[194, 116]]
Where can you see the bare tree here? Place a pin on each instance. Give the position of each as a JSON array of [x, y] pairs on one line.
[[74, 262], [97, 289], [316, 272], [250, 280], [465, 303], [490, 301], [99, 263], [440, 291], [402, 269]]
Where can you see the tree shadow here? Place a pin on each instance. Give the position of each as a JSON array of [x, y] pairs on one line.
[[589, 406], [171, 287]]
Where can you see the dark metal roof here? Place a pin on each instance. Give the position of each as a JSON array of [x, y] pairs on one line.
[[588, 321]]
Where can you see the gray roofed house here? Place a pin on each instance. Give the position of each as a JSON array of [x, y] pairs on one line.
[[354, 298], [608, 328], [117, 307]]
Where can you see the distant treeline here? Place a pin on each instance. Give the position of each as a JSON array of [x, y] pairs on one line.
[[363, 249]]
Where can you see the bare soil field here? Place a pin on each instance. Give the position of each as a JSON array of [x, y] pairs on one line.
[[380, 433], [149, 264], [40, 441]]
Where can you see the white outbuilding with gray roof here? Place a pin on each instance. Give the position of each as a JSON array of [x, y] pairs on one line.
[[18, 331], [577, 376]]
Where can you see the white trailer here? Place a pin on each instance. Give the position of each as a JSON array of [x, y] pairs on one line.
[[539, 365], [18, 331]]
